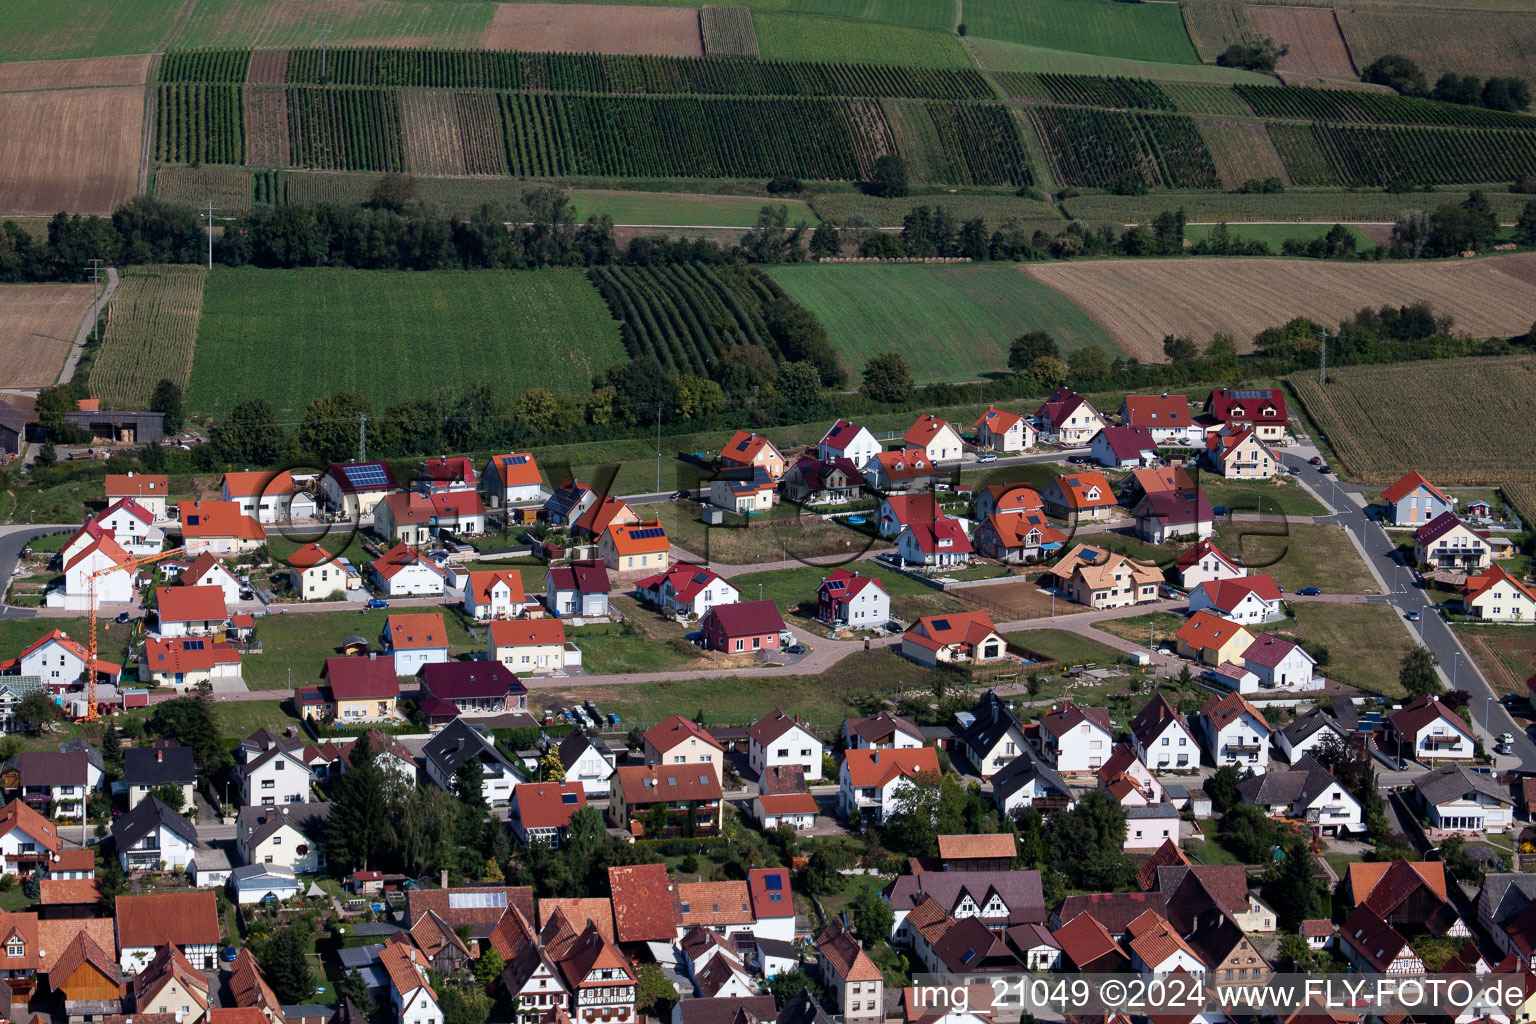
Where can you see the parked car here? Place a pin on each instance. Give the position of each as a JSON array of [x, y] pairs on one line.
[[377, 602], [1316, 460], [795, 649], [1413, 615], [986, 457], [1219, 510], [228, 954], [1293, 470], [1309, 591], [1324, 468], [124, 617], [1506, 742]]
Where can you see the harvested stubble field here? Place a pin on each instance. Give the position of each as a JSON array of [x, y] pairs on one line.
[[281, 23], [1212, 27], [1241, 150], [595, 28], [37, 327], [1458, 404], [75, 150], [1465, 41], [31, 75], [151, 330], [1317, 47], [1140, 302]]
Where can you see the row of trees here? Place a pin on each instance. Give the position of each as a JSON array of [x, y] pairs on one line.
[[1452, 228], [1405, 76]]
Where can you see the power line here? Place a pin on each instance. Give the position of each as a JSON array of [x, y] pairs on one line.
[[95, 269], [210, 233]]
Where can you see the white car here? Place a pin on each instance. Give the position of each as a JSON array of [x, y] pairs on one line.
[[987, 457]]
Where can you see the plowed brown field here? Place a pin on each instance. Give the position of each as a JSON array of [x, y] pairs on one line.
[[75, 150], [37, 327], [595, 28], [74, 74], [1317, 47], [1139, 302]]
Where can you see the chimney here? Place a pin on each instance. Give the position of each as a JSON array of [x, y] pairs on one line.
[[445, 878], [159, 755], [876, 758]]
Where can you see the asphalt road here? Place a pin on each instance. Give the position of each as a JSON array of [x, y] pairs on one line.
[[1346, 501], [12, 540]]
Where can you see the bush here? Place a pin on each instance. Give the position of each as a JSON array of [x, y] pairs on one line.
[[784, 184], [1396, 72], [1255, 55]]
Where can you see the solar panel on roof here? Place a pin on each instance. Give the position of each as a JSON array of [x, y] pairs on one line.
[[1072, 481], [472, 900], [773, 882], [567, 798], [835, 584], [940, 623], [517, 460], [647, 533], [1250, 393], [1090, 553], [192, 645], [364, 476]]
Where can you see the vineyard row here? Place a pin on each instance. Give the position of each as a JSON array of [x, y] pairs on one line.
[[1090, 148]]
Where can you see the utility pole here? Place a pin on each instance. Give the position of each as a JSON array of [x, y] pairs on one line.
[[95, 269], [362, 437], [658, 447], [1322, 356], [210, 234], [325, 33]]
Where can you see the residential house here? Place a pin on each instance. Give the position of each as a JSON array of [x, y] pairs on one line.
[[1158, 950], [1496, 596], [152, 837], [512, 479], [904, 471], [940, 544], [58, 662], [687, 590], [1240, 455], [1000, 899], [1149, 826], [1446, 542], [872, 781], [599, 977], [689, 795], [1000, 431], [459, 744], [1205, 563], [1026, 781], [27, 840], [579, 589], [1162, 516], [445, 475], [1211, 640], [1101, 578], [541, 811], [276, 775], [1075, 740], [1248, 600], [314, 574], [148, 490], [1084, 495], [185, 921], [1234, 732], [13, 430], [61, 780], [1407, 894], [1123, 447], [410, 995], [1037, 947], [600, 515], [937, 438], [1162, 738], [403, 571], [219, 527], [1089, 948], [881, 731], [133, 527], [171, 986], [190, 611], [855, 985], [568, 503], [263, 883], [286, 836], [677, 741], [354, 489], [1128, 781], [415, 519], [1302, 736], [778, 739], [588, 762], [784, 798], [1069, 418], [742, 627], [743, 490], [266, 496], [1430, 731], [101, 567], [1281, 664], [477, 687], [362, 689], [953, 639], [899, 511], [1017, 537], [638, 547], [1371, 944], [414, 640], [147, 768], [852, 600], [1151, 480], [87, 976], [989, 734], [1262, 409], [846, 440], [1306, 792], [1457, 799], [822, 481], [1165, 416], [1003, 499], [1414, 501], [495, 594], [750, 449]]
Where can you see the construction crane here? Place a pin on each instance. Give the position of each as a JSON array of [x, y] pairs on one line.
[[130, 566]]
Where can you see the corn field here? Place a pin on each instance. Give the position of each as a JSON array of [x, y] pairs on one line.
[[151, 328]]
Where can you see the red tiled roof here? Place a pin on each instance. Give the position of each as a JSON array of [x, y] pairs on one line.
[[516, 469], [1269, 650], [130, 506], [1199, 551], [447, 470], [744, 447], [107, 545], [645, 784], [548, 804], [1061, 405], [1221, 710], [191, 604], [1407, 484], [924, 430], [1227, 594], [1128, 442], [1156, 410], [638, 538], [745, 618], [137, 485], [421, 631], [905, 464], [1207, 631], [913, 508], [997, 845], [19, 815], [1421, 711], [186, 655], [1151, 720], [841, 951], [309, 556], [931, 537], [936, 631], [1075, 487], [841, 435], [527, 632], [675, 729], [218, 519], [361, 678], [1084, 940], [873, 769], [1478, 585], [643, 909], [168, 919], [1071, 715], [997, 420], [260, 483], [1247, 404]]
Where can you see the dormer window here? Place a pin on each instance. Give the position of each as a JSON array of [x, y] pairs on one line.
[[15, 947]]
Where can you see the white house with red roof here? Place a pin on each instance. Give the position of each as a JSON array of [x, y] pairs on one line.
[[495, 594], [1234, 732], [1085, 495], [189, 611], [777, 739], [676, 740], [954, 638], [415, 640], [1162, 737], [899, 511], [847, 440], [686, 589], [748, 449], [133, 526], [1247, 599], [414, 518], [314, 574], [265, 496], [743, 490], [402, 571], [187, 661], [102, 559], [58, 660], [1263, 409], [773, 905], [1123, 447], [541, 811], [1239, 454], [1205, 562], [1166, 416], [1002, 431], [1069, 418], [411, 997], [208, 571], [1017, 536], [1414, 501], [871, 781], [1496, 596], [941, 544], [1001, 499], [938, 439], [1446, 542], [444, 474], [512, 479], [784, 798], [1281, 664], [1431, 732], [853, 600], [1075, 739], [219, 527], [150, 490]]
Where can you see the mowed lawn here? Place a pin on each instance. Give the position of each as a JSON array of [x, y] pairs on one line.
[[794, 591], [950, 322], [290, 336], [295, 645], [683, 209], [1153, 32], [788, 35]]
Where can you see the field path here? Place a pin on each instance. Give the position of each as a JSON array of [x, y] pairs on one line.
[[91, 316]]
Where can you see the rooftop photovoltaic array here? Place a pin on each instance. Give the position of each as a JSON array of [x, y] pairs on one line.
[[371, 475], [475, 900], [647, 533]]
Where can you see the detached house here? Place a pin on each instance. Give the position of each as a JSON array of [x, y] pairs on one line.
[[362, 689], [905, 471], [990, 734], [410, 996], [1446, 542], [1162, 738], [1212, 640], [899, 511], [1076, 740], [1005, 499], [1304, 735], [568, 503], [512, 479], [285, 835], [459, 744], [881, 731], [474, 687], [1017, 536], [415, 519], [266, 497], [588, 762], [690, 794], [937, 438], [1165, 416], [871, 781], [415, 640], [1413, 501], [1002, 431], [1247, 600], [687, 590], [1281, 664], [677, 741], [1262, 409], [1123, 447], [1085, 495], [1307, 792], [855, 984], [1496, 596], [402, 571], [185, 921], [1162, 516], [133, 527], [315, 574], [746, 449], [208, 571], [744, 490], [219, 527], [101, 564], [148, 490], [1205, 562], [1234, 732], [145, 768], [58, 661], [852, 600], [941, 544], [1069, 418], [641, 547], [27, 839], [1431, 732], [62, 780], [170, 987], [1457, 799], [530, 645], [783, 798], [182, 611], [1101, 578], [849, 441], [820, 482], [495, 594], [954, 638], [580, 589], [746, 626], [354, 488], [443, 475], [274, 776], [541, 811], [777, 739], [152, 837], [1029, 782], [1240, 455]]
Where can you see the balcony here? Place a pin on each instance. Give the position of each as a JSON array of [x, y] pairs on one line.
[[1242, 749]]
